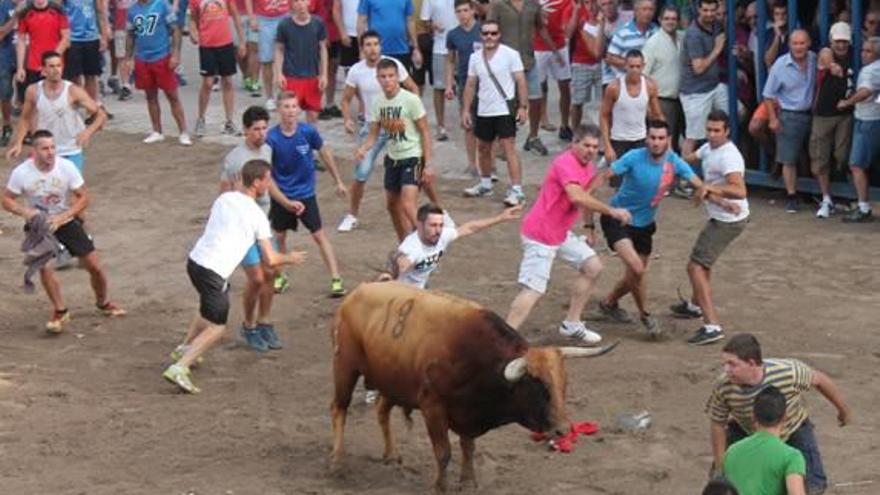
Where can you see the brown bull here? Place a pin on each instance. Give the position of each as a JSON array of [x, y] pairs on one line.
[[459, 363]]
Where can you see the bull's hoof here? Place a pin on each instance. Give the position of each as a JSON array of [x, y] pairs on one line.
[[392, 458]]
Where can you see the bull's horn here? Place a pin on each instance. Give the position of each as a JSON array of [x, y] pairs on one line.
[[515, 369], [574, 352]]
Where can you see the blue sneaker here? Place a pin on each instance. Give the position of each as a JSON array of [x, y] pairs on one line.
[[267, 333], [253, 338]]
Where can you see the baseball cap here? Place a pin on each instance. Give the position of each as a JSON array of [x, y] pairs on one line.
[[840, 31]]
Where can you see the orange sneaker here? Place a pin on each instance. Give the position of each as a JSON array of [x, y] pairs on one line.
[[110, 310]]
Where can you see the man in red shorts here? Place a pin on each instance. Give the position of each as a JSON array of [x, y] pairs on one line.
[[43, 28], [154, 41], [301, 57]]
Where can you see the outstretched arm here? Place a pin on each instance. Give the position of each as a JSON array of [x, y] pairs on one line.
[[475, 226]]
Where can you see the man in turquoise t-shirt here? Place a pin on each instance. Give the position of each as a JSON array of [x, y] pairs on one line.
[[762, 464]]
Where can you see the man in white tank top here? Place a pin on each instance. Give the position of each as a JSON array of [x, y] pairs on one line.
[[53, 104], [627, 104]]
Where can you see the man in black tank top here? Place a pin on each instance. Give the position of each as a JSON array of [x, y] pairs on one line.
[[832, 127]]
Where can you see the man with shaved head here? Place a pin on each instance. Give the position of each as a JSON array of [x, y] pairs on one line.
[[790, 88]]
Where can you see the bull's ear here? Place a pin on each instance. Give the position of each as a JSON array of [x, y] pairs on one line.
[[573, 352], [515, 369]]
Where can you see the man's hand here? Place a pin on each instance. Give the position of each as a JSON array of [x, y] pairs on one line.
[[522, 115], [30, 213], [242, 50], [844, 416], [173, 61], [360, 153], [296, 207], [20, 75], [466, 119], [13, 151], [590, 237], [417, 58], [349, 125], [720, 40], [341, 190], [194, 37], [427, 174], [295, 257], [437, 27], [82, 139], [55, 221], [842, 104], [621, 215], [775, 126], [322, 83], [281, 82], [345, 40], [511, 213], [557, 56], [102, 44], [450, 94], [610, 155]]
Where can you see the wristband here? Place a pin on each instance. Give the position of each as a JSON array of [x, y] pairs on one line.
[[591, 226]]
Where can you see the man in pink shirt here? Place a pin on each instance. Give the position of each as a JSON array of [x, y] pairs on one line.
[[546, 233], [210, 30]]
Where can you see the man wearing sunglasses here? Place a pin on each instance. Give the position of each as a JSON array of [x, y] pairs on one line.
[[499, 71]]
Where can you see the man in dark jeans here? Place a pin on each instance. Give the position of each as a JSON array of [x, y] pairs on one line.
[[746, 374]]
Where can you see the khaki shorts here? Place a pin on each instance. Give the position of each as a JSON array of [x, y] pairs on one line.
[[714, 239], [830, 137], [537, 261]]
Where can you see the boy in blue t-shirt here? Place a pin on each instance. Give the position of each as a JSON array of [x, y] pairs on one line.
[[293, 170], [7, 67], [461, 42], [647, 174], [154, 42]]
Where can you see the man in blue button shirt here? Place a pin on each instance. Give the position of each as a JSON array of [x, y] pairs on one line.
[[790, 88]]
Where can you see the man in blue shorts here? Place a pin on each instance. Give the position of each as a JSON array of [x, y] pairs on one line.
[[647, 173], [293, 170]]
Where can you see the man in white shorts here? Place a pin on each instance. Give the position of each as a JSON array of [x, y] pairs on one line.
[[361, 81], [586, 64], [546, 233], [552, 60]]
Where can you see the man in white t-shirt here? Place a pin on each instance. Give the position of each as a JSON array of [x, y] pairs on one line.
[[361, 81], [345, 16], [728, 209], [440, 14], [53, 186], [236, 222], [418, 256], [499, 71]]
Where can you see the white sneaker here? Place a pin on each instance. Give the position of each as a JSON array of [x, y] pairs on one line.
[[270, 105], [514, 198], [577, 330], [825, 210], [185, 140], [154, 137], [349, 222], [478, 191], [371, 397]]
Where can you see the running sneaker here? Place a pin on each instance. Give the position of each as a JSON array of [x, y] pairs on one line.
[[185, 140], [113, 84], [441, 134], [154, 137], [514, 198], [267, 333], [705, 336], [270, 105], [253, 337], [615, 313], [825, 210], [859, 216], [110, 310], [180, 350], [324, 114], [791, 204], [229, 129], [256, 89], [281, 283], [578, 330], [686, 309], [125, 94], [335, 112], [200, 127], [652, 326], [349, 222], [535, 144], [371, 397], [59, 319], [478, 191], [566, 134], [179, 375], [337, 289]]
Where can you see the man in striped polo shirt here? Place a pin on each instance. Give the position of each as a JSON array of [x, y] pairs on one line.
[[745, 375], [632, 36]]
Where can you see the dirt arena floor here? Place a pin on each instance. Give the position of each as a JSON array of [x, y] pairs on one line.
[[88, 413]]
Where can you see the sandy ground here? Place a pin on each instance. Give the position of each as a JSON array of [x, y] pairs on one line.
[[88, 413]]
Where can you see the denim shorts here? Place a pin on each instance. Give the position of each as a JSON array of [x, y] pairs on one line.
[[865, 143], [791, 140], [268, 30], [364, 168], [6, 78], [533, 83]]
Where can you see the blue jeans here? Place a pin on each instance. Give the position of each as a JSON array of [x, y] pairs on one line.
[[803, 439], [364, 168]]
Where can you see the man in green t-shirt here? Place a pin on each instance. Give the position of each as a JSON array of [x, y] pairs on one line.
[[408, 160], [762, 464]]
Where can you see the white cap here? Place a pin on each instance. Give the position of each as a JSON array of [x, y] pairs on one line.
[[840, 31]]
